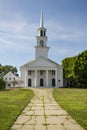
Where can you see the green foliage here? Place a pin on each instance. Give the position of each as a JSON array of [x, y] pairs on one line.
[[5, 69], [80, 69], [74, 101], [2, 84], [75, 70], [12, 103], [68, 64]]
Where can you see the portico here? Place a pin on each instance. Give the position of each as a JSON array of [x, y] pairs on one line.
[[41, 78]]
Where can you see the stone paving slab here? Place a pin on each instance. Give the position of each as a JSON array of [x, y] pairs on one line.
[[55, 127], [37, 108], [16, 127], [54, 120], [40, 127], [27, 127], [43, 113], [22, 119], [51, 108], [39, 112], [56, 112], [40, 120]]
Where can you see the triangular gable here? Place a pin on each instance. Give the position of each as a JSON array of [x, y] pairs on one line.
[[42, 62], [9, 74]]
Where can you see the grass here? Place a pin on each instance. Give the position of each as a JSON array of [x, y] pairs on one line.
[[74, 101], [12, 103]]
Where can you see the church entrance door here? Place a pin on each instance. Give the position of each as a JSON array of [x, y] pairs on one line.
[[41, 82], [29, 82], [53, 82]]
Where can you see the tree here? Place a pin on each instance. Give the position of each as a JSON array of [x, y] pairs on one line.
[[80, 69], [5, 69], [8, 68], [68, 64], [75, 70]]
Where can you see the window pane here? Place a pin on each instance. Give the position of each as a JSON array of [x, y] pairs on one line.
[[53, 72], [10, 78], [8, 84], [44, 33], [5, 79], [41, 72], [29, 72], [41, 33]]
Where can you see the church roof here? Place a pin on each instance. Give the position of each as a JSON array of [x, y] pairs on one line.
[[41, 61]]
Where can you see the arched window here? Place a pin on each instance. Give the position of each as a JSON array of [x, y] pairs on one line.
[[41, 82], [53, 82], [41, 33], [42, 43], [44, 33], [29, 82]]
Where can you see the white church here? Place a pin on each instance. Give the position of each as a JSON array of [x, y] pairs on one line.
[[42, 71]]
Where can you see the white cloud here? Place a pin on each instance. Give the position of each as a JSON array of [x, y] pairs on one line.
[[11, 27], [4, 42], [57, 31], [16, 35]]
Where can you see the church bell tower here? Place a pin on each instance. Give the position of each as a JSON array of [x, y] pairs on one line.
[[41, 50]]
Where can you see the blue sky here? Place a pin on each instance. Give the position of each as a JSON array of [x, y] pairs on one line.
[[65, 20]]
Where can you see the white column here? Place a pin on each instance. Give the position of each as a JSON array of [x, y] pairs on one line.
[[35, 78], [56, 77], [47, 81], [26, 82]]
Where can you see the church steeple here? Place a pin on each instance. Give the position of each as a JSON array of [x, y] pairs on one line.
[[41, 30], [41, 21], [41, 48]]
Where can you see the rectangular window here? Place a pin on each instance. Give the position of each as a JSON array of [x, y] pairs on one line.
[[5, 79], [8, 84], [53, 72], [44, 33], [41, 72], [10, 78], [29, 72], [13, 84]]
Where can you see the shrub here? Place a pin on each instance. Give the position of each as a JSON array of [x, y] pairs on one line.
[[2, 84]]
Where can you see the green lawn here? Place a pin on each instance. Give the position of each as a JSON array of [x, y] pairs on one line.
[[11, 105], [74, 101]]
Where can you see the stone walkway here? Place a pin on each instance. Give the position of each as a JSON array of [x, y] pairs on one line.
[[43, 113]]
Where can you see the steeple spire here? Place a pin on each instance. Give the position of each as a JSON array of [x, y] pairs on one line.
[[41, 20]]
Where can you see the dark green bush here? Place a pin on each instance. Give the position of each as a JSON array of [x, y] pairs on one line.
[[2, 84]]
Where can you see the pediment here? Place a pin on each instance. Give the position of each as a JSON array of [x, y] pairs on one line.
[[42, 62]]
